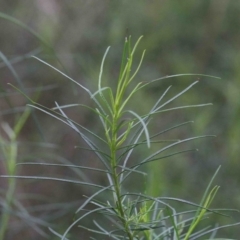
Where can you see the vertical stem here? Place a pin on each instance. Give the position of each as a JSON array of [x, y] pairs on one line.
[[10, 156], [117, 187], [7, 207], [123, 82]]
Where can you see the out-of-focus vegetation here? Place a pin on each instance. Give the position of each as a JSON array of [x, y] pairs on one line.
[[180, 37]]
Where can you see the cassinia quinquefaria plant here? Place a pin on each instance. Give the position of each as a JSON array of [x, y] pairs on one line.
[[129, 215]]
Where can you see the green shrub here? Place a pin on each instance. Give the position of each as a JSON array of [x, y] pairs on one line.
[[126, 214]]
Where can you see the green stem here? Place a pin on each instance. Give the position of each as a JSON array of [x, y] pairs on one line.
[[11, 157], [7, 207], [117, 188], [117, 110]]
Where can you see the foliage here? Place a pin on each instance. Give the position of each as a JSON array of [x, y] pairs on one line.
[[180, 37], [131, 215]]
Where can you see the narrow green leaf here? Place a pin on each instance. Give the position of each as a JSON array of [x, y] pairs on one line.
[[64, 165], [52, 179], [65, 75], [144, 127]]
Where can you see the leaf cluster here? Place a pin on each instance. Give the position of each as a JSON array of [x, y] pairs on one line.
[[130, 215]]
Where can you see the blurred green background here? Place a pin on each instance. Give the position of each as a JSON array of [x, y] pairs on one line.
[[180, 37]]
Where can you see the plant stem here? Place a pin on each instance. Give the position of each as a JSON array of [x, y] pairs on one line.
[[117, 192], [11, 155], [7, 207]]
